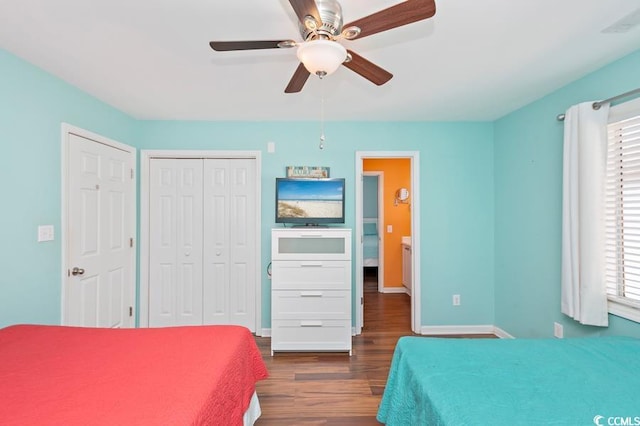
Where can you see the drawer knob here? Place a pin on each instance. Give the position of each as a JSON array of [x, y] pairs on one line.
[[311, 264], [310, 323], [310, 294]]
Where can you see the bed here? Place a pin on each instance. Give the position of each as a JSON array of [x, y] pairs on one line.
[[371, 242], [91, 376], [436, 381]]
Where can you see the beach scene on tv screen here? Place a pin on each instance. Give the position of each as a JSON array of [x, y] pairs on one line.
[[313, 199]]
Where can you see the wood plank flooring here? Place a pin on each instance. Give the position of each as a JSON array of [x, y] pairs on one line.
[[332, 388]]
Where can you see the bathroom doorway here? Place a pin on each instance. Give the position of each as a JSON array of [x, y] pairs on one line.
[[391, 230], [373, 238]]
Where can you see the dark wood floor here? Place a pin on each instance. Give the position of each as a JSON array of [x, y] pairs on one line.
[[333, 388]]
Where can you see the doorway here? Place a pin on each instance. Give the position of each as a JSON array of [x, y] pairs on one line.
[[373, 237], [98, 230], [387, 229]]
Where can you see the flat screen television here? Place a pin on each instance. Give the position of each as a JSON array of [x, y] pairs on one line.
[[310, 202]]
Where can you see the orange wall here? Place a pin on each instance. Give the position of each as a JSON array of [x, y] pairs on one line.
[[397, 174]]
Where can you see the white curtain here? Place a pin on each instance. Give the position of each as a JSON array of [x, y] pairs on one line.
[[584, 295]]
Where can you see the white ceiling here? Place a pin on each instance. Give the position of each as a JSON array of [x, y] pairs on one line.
[[474, 60]]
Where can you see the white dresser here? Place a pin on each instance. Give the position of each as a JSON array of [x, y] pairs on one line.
[[311, 289]]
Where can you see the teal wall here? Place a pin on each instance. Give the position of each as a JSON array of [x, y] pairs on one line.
[[456, 170], [33, 104], [528, 219], [490, 194]]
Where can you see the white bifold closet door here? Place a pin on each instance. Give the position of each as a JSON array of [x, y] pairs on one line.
[[229, 242], [175, 224], [202, 242]]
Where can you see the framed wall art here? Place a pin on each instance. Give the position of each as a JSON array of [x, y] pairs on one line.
[[308, 171]]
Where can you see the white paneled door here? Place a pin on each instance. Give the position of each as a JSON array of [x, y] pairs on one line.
[[202, 221], [175, 221], [99, 289], [229, 230]]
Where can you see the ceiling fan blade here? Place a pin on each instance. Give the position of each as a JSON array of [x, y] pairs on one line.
[[305, 8], [298, 80], [224, 46], [367, 69], [404, 13]]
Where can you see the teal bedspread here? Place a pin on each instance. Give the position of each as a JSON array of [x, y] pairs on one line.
[[436, 381]]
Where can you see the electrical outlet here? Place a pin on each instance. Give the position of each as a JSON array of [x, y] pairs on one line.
[[558, 330], [456, 300], [389, 229], [45, 233]]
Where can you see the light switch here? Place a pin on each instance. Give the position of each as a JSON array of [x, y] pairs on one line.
[[271, 147], [389, 229], [45, 233]]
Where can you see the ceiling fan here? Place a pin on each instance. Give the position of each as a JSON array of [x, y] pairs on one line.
[[321, 26]]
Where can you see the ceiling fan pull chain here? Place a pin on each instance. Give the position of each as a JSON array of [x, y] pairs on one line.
[[322, 138]]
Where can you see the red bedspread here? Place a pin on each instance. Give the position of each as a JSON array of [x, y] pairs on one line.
[[52, 375]]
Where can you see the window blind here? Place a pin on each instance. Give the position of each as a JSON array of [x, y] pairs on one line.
[[622, 211]]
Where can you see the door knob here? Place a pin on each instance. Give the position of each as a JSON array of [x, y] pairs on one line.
[[77, 271]]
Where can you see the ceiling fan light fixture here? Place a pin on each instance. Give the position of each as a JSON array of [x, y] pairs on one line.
[[351, 32], [321, 57], [310, 23]]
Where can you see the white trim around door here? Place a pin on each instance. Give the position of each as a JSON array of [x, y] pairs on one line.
[[68, 132], [414, 157], [145, 158]]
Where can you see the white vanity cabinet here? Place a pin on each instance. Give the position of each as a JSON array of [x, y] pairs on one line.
[[311, 289], [406, 265]]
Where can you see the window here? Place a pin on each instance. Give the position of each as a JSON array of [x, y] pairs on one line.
[[622, 211]]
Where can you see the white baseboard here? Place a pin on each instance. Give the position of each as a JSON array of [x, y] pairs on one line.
[[501, 333], [394, 290], [438, 330]]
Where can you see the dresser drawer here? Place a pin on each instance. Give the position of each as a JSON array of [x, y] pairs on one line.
[[311, 275], [311, 244], [315, 304], [311, 335]]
